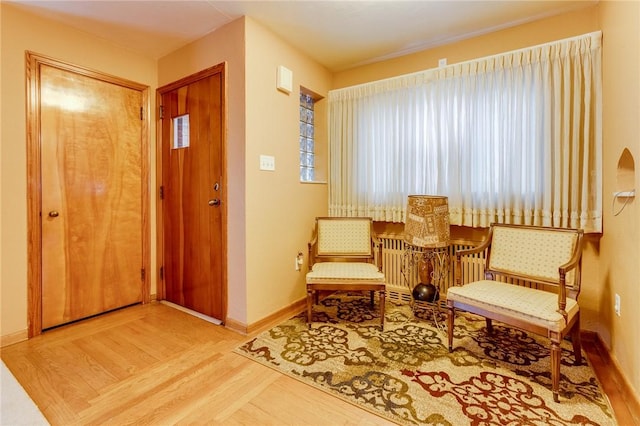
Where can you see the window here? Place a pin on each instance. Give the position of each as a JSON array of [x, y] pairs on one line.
[[306, 140], [512, 138], [181, 131]]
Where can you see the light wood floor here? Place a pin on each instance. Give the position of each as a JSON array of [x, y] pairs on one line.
[[152, 364]]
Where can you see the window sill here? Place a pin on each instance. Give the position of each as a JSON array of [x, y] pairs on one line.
[[314, 182]]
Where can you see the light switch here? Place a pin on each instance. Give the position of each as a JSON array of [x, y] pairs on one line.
[[267, 162]]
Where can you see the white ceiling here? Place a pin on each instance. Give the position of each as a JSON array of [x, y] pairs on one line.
[[337, 34]]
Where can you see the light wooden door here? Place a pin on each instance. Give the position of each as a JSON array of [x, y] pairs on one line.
[[192, 189], [91, 195]]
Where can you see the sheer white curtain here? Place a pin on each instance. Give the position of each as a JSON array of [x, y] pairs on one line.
[[512, 138]]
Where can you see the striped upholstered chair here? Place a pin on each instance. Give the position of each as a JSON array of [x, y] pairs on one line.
[[345, 255], [532, 282]]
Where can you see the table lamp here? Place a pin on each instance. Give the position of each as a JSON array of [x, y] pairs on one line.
[[427, 228]]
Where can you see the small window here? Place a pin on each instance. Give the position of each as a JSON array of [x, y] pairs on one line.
[[306, 140], [181, 131]]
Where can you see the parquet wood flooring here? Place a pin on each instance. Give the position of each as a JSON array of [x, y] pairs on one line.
[[152, 364]]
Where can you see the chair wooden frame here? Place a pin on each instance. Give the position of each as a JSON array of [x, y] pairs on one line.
[[485, 307], [338, 279]]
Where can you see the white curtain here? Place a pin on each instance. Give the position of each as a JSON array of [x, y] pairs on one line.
[[511, 138]]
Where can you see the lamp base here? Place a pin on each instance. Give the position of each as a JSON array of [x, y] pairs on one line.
[[426, 293]]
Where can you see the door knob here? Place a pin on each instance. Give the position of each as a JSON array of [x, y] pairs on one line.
[[53, 213], [214, 202]]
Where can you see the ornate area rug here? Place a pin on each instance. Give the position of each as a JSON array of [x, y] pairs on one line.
[[407, 375]]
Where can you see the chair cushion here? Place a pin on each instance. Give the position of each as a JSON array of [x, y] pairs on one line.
[[531, 305], [347, 271]]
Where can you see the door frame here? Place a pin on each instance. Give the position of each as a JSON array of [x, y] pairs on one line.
[[34, 179], [220, 68]]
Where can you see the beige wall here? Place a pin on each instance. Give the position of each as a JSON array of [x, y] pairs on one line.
[[21, 32], [620, 245], [280, 209], [270, 213], [610, 263]]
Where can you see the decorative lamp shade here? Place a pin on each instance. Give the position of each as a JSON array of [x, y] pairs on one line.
[[427, 223]]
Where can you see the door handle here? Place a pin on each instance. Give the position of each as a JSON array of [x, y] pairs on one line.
[[53, 213], [214, 202]]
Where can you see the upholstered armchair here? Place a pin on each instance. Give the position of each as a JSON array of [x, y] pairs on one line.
[[532, 282], [345, 255]]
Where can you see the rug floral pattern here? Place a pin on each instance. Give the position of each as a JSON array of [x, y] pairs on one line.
[[406, 373]]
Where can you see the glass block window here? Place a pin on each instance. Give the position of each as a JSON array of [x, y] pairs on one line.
[[307, 161]]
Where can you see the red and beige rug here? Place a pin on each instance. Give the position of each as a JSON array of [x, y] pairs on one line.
[[406, 373]]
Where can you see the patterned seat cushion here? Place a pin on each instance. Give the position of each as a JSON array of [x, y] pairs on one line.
[[344, 271], [531, 305]]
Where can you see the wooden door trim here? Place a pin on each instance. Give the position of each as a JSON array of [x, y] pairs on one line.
[[34, 178], [216, 69]]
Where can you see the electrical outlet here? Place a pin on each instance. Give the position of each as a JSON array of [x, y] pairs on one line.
[[299, 261], [616, 304]]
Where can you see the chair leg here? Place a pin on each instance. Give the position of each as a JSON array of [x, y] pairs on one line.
[[382, 306], [451, 313], [489, 325], [556, 353], [309, 303]]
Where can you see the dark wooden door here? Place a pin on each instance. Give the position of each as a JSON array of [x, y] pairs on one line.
[[192, 191]]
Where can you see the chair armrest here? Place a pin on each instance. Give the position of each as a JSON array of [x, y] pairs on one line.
[[486, 242], [478, 249], [573, 263], [312, 252]]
